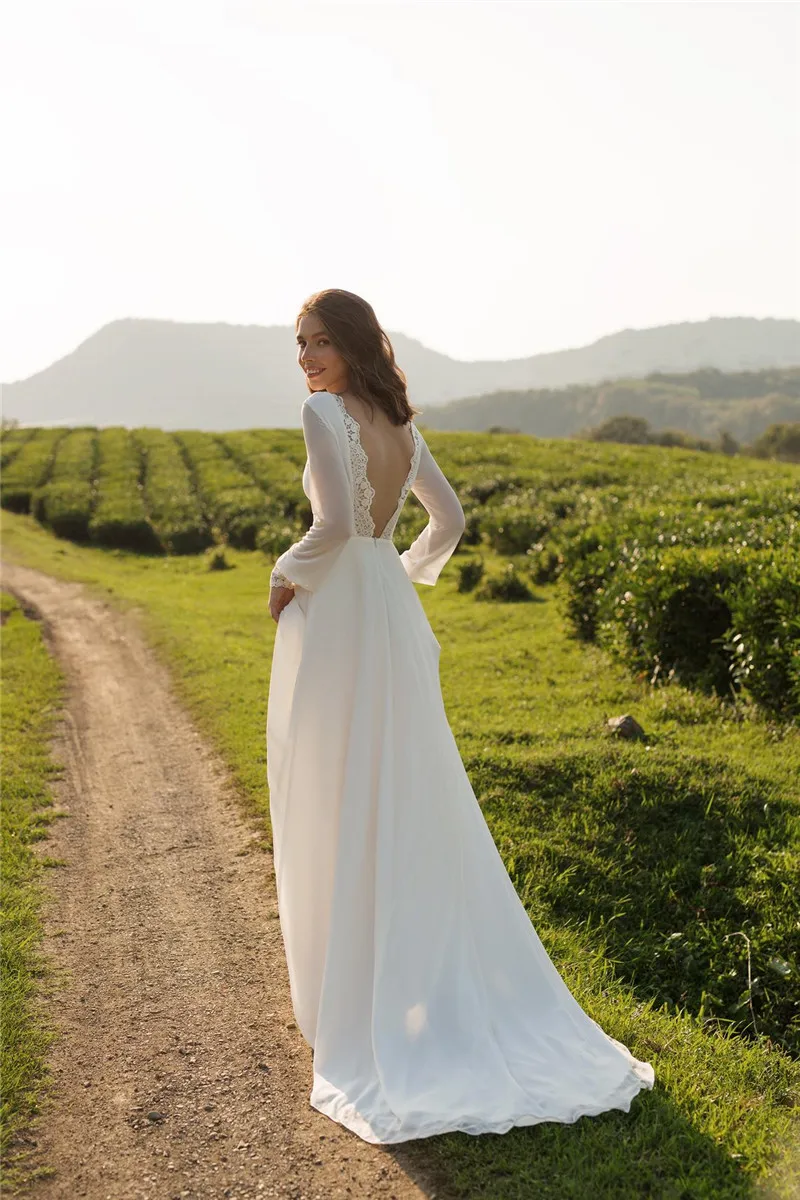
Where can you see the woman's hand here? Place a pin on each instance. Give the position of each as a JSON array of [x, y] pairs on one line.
[[279, 597]]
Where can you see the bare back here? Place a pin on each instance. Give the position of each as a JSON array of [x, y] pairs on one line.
[[389, 449]]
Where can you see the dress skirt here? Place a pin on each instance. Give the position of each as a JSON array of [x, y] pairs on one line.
[[416, 974]]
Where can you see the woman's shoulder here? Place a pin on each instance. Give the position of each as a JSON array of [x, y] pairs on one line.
[[323, 404]]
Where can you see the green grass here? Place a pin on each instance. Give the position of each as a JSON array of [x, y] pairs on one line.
[[614, 847], [32, 694]]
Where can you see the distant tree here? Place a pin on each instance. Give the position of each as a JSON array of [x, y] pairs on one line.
[[672, 437], [623, 428], [677, 437], [9, 422], [636, 431], [781, 441], [726, 443]]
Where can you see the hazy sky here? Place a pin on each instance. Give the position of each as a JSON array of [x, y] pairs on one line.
[[497, 179]]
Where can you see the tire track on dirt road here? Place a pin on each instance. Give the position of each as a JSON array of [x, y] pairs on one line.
[[177, 1070]]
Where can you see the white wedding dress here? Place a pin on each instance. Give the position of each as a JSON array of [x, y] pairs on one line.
[[416, 974]]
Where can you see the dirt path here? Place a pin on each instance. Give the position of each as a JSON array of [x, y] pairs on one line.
[[178, 1071]]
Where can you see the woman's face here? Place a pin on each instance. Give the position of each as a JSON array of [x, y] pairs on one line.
[[317, 354]]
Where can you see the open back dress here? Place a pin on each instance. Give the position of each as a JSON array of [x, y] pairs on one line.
[[416, 974]]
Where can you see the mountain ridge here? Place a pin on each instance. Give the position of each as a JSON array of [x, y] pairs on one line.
[[138, 370]]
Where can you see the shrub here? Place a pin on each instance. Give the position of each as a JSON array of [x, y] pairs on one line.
[[512, 530], [13, 439], [274, 466], [719, 619], [120, 517], [545, 562], [65, 507], [672, 615], [29, 470], [174, 508], [497, 485], [590, 560], [64, 503], [764, 638], [230, 497], [655, 581], [470, 574], [216, 560], [504, 585], [273, 538]]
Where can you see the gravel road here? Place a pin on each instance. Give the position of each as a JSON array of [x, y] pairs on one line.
[[177, 1070]]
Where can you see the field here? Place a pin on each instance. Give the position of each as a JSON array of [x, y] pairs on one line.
[[680, 564], [658, 872], [31, 696]]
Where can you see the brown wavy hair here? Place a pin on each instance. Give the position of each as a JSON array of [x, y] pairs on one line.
[[374, 376]]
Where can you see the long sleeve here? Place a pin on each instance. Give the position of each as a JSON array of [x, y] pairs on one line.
[[428, 553], [306, 563]]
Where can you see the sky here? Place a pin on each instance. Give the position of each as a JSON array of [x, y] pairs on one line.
[[496, 179]]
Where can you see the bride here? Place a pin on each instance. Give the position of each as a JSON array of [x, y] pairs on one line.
[[416, 975]]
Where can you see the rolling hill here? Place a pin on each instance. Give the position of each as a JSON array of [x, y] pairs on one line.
[[700, 403], [137, 372]]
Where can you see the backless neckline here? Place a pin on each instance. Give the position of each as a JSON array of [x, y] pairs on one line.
[[363, 490]]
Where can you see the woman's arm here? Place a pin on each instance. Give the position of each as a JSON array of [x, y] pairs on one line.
[[307, 562], [425, 557]]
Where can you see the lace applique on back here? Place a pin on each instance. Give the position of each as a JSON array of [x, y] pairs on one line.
[[363, 491]]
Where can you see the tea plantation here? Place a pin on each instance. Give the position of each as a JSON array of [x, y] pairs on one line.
[[684, 565], [592, 580]]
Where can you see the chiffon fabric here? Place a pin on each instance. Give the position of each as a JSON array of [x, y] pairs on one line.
[[416, 974]]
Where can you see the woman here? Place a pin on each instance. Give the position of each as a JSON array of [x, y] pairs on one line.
[[416, 975]]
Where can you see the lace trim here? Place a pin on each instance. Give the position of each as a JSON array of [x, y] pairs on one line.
[[363, 491], [278, 579]]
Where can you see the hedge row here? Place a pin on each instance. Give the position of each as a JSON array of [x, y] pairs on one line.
[[11, 442], [120, 518], [765, 644], [174, 508], [275, 471], [681, 565], [64, 503], [724, 619], [235, 504], [689, 578], [29, 469]]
